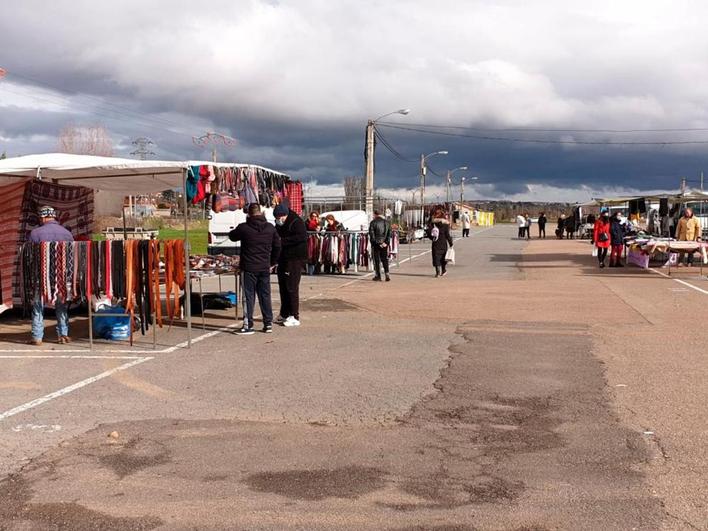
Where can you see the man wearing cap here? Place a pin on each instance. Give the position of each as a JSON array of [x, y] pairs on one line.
[[260, 249], [49, 231], [293, 256]]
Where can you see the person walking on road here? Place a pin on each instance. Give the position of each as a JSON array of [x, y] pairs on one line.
[[542, 220], [521, 223], [293, 256], [466, 224], [617, 234], [561, 226], [260, 249], [380, 237], [688, 230], [602, 237], [49, 231], [528, 225], [439, 232]]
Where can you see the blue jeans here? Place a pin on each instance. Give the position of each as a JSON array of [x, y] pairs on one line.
[[38, 319], [257, 284]]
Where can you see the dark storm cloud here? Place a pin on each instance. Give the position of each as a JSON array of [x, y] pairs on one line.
[[295, 81]]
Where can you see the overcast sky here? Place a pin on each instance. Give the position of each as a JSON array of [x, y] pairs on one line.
[[295, 81]]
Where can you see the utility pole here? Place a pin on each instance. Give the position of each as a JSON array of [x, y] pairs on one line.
[[142, 151], [683, 184], [447, 188], [422, 188], [701, 180], [462, 192], [370, 169]]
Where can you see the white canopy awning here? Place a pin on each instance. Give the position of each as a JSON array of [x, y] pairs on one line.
[[100, 173]]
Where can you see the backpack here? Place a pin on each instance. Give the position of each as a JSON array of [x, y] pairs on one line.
[[434, 233]]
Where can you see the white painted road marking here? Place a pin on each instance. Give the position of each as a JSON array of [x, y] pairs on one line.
[[679, 281], [71, 388]]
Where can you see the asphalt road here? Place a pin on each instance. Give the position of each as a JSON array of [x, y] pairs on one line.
[[527, 390]]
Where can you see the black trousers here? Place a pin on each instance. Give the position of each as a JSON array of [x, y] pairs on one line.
[[465, 233], [541, 231], [289, 275], [601, 254], [380, 258], [257, 283], [522, 231]]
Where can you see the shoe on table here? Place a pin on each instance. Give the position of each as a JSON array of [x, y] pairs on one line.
[[291, 321], [35, 342], [268, 329], [246, 331]]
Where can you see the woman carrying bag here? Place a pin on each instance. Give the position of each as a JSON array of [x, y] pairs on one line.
[[439, 232], [602, 237]]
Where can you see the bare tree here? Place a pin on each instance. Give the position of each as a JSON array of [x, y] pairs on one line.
[[354, 191], [92, 139]]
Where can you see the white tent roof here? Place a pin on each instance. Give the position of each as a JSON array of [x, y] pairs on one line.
[[100, 173], [112, 174]]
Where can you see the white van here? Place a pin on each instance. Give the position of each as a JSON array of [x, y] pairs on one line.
[[351, 219], [221, 223]]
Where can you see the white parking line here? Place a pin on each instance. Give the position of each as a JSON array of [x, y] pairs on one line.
[[70, 388], [679, 281], [68, 357]]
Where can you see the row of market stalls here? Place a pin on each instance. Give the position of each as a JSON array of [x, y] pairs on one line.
[[81, 187], [654, 218]]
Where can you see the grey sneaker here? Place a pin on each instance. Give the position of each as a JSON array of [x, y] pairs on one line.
[[246, 331]]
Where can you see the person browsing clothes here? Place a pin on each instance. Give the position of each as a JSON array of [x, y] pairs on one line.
[[380, 237], [260, 250], [49, 231], [293, 256]]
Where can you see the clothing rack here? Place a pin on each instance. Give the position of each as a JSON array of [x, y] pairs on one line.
[[360, 259], [120, 271]]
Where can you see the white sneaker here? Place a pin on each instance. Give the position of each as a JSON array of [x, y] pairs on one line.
[[291, 321]]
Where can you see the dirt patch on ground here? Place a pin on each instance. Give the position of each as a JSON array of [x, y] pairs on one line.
[[327, 305], [347, 482], [18, 511]]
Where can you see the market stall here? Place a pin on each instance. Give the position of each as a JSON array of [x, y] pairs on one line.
[[61, 178]]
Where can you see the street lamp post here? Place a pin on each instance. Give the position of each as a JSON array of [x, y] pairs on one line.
[[450, 173], [462, 189], [369, 160], [423, 159]]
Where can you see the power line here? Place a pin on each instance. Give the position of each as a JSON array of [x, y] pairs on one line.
[[553, 130], [545, 141], [389, 147]]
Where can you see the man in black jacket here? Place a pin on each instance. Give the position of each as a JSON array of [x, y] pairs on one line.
[[293, 237], [260, 248], [379, 237]]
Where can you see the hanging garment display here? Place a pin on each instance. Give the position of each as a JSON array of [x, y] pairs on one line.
[[294, 195]]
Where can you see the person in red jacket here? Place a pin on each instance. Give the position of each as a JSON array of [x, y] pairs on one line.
[[602, 237]]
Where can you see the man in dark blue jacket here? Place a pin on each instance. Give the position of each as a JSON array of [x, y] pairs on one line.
[[260, 248]]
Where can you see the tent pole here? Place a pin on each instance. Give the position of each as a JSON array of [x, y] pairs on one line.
[[187, 284]]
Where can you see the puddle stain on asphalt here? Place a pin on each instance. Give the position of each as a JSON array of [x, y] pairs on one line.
[[18, 510], [327, 305], [135, 455], [346, 482]]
